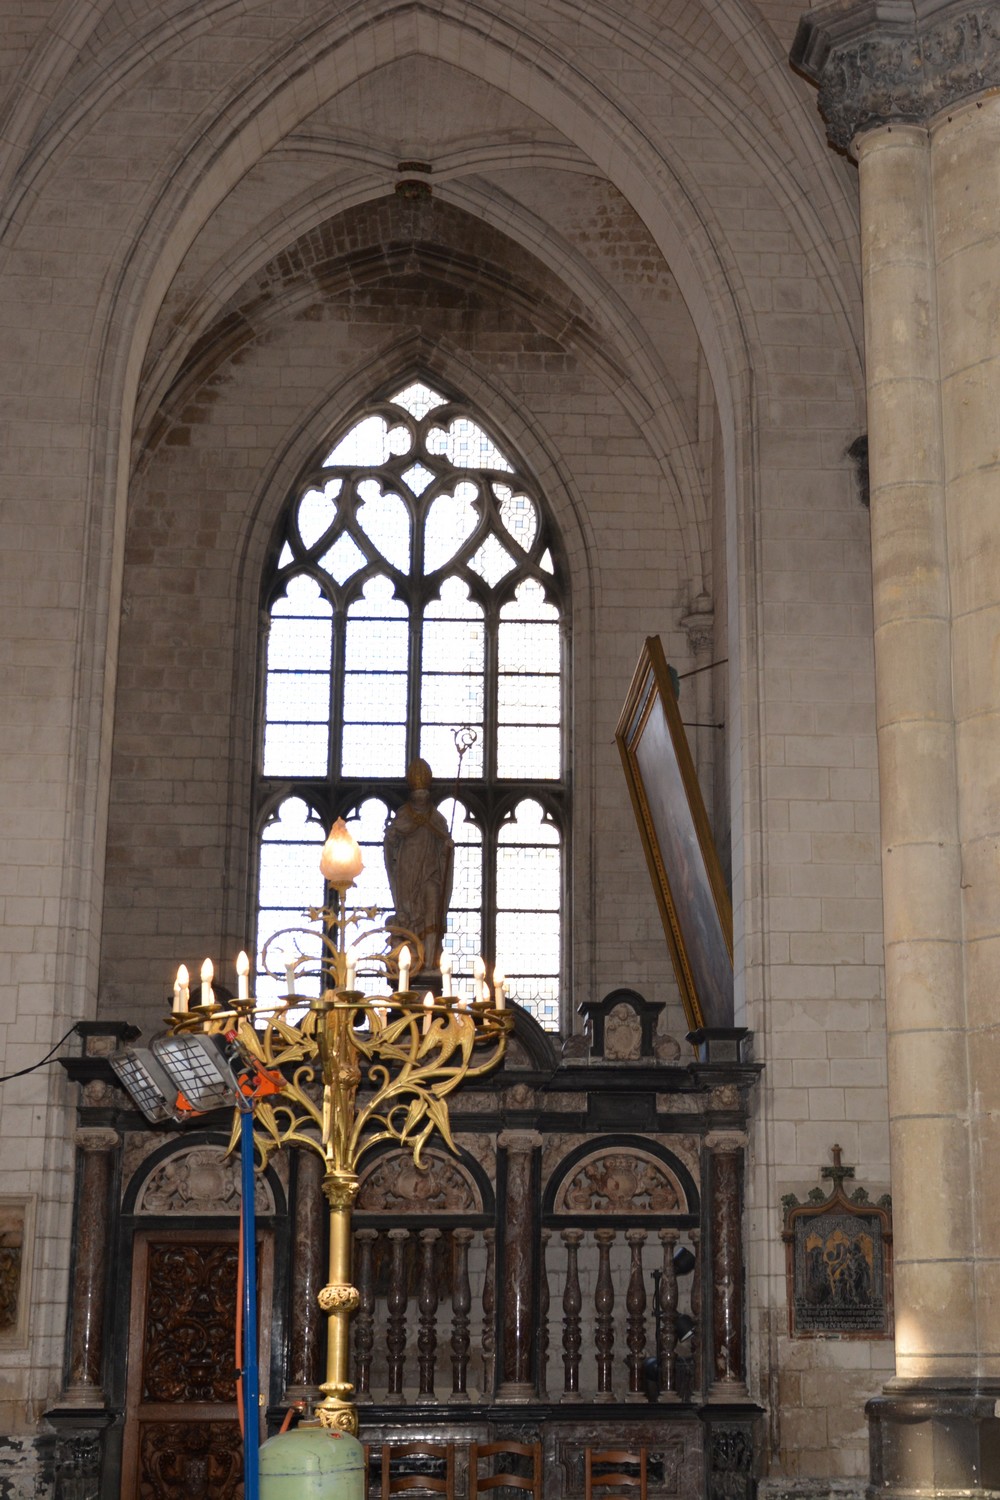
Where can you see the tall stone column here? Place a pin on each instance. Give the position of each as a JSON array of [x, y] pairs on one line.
[[725, 1179], [308, 1275], [911, 92], [96, 1149], [519, 1256]]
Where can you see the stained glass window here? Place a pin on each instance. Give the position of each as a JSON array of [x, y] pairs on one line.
[[417, 594]]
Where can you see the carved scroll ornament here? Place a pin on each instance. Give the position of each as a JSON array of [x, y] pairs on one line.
[[394, 1184], [620, 1182], [198, 1180]]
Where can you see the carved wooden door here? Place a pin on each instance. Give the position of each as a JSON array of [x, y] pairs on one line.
[[182, 1438]]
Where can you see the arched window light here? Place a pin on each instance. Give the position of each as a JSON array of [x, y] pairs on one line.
[[416, 594]]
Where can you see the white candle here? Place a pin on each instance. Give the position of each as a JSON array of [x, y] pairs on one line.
[[404, 967], [498, 988], [290, 978], [180, 1001], [479, 980], [351, 972], [184, 980], [428, 1003], [242, 976], [445, 973], [207, 975]]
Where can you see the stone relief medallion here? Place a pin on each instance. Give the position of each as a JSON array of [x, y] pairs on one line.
[[199, 1180], [620, 1182], [394, 1184], [622, 1034]]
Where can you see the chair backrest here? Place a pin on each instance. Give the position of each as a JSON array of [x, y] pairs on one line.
[[614, 1479], [503, 1475], [403, 1470]]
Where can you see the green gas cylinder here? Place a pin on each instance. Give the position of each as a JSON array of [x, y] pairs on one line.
[[312, 1463]]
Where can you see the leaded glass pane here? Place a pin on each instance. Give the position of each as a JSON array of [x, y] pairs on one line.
[[368, 826], [453, 645], [375, 698], [529, 603], [491, 561], [456, 699], [418, 478], [302, 597], [294, 820], [296, 749], [317, 513], [366, 444], [299, 697], [377, 602], [525, 752], [385, 519], [545, 561], [525, 699], [524, 647], [518, 515], [528, 942], [298, 644], [418, 399], [539, 994], [450, 523], [379, 751], [286, 556], [437, 746], [344, 558], [466, 445], [529, 876], [290, 872], [528, 826]]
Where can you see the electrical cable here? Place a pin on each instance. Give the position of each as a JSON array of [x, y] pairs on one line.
[[47, 1058]]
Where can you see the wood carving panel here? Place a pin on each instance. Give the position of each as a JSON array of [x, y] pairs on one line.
[[190, 1461], [189, 1340]]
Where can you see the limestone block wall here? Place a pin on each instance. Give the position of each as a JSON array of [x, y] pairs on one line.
[[644, 271]]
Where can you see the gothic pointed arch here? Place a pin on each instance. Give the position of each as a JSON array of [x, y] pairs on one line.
[[415, 599]]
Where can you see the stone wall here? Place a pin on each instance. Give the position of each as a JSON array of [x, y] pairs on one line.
[[640, 260]]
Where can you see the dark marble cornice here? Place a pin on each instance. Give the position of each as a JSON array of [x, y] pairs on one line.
[[885, 62]]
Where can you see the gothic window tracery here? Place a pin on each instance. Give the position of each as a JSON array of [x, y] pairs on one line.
[[416, 593]]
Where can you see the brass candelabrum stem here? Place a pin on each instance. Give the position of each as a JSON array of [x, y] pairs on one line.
[[409, 1055]]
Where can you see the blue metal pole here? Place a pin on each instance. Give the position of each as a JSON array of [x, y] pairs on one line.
[[251, 1376]]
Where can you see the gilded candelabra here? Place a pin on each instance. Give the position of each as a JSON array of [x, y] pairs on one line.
[[410, 1051]]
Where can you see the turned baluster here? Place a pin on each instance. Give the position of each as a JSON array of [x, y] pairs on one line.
[[489, 1339], [461, 1306], [666, 1350], [694, 1235], [395, 1306], [572, 1308], [427, 1304], [364, 1325], [604, 1315], [635, 1308], [543, 1315]]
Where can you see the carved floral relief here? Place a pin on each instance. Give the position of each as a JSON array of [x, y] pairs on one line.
[[199, 1180], [395, 1184], [620, 1182]]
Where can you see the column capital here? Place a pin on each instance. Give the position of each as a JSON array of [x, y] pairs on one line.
[[96, 1138], [887, 62], [519, 1140]]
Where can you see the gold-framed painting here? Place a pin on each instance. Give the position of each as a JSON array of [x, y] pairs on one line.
[[673, 824]]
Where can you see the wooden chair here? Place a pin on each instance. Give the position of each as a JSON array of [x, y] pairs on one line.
[[615, 1480], [504, 1478], [402, 1469]]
